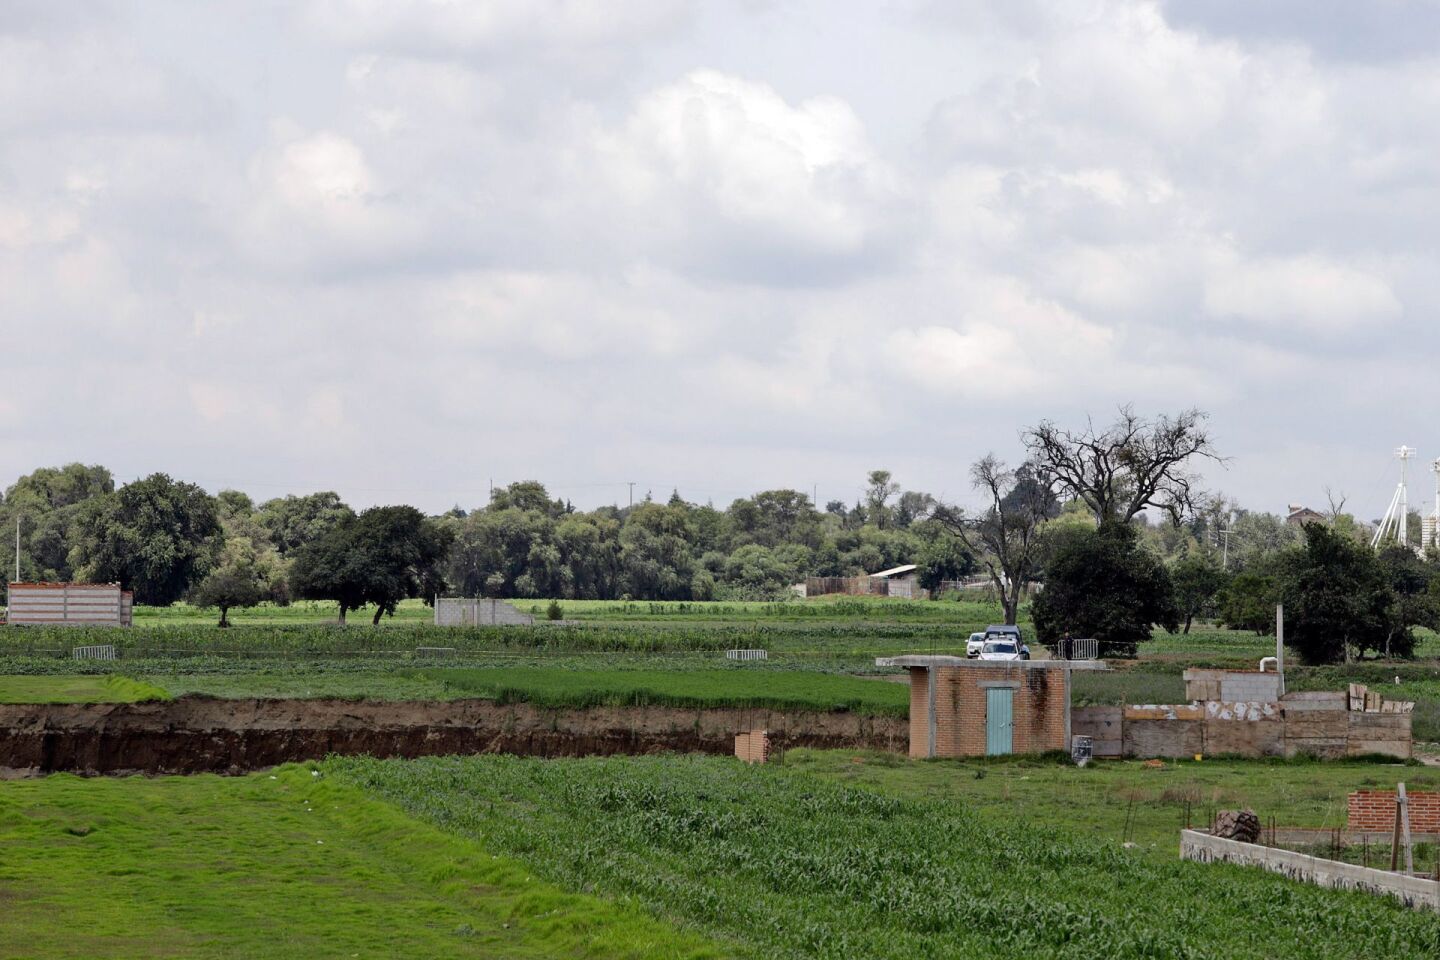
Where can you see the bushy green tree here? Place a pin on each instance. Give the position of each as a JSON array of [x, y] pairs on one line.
[[291, 522], [156, 536], [382, 556], [1338, 600], [1198, 581], [1103, 585], [1247, 601]]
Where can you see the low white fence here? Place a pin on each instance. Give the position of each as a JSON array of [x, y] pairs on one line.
[[434, 651], [1415, 892], [747, 655], [1085, 649], [104, 651]]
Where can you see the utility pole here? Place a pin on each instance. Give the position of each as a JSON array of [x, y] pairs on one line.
[[631, 485], [17, 549], [1225, 550]]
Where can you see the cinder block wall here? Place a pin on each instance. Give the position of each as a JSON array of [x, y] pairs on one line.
[[1375, 810], [1039, 708]]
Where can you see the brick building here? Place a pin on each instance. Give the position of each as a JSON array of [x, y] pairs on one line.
[[972, 708]]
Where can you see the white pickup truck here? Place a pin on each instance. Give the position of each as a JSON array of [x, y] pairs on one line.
[[976, 646]]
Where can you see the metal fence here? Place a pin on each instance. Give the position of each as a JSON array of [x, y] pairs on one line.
[[104, 651], [1086, 649], [747, 655]]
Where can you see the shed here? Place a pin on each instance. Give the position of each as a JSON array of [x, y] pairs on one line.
[[972, 708], [70, 604], [901, 581]]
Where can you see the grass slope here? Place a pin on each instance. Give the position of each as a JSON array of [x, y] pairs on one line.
[[794, 866], [738, 687], [77, 689], [1120, 800], [283, 866]]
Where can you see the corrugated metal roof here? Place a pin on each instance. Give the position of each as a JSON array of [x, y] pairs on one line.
[[896, 571]]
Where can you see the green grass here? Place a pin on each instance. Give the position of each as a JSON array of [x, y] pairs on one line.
[[567, 684], [737, 687], [282, 866], [1119, 800], [77, 689], [794, 865]]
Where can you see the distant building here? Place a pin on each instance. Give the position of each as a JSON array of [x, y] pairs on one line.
[[902, 581], [70, 605], [1299, 516]]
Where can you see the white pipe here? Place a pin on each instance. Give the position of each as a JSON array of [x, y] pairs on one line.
[[1270, 660]]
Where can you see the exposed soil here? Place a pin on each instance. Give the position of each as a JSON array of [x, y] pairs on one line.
[[197, 734]]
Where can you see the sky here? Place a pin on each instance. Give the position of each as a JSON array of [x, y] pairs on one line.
[[405, 250]]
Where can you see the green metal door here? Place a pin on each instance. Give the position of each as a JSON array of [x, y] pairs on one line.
[[999, 720]]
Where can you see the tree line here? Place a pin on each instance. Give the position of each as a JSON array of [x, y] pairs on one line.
[[1109, 519], [170, 540]]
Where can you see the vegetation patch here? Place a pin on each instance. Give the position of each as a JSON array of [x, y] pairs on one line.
[[791, 865], [284, 865], [78, 689], [739, 687]]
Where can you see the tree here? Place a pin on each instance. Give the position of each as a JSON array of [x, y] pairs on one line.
[[292, 521], [1198, 580], [1103, 585], [1338, 600], [382, 556], [1132, 464], [236, 582], [1248, 601], [1006, 533], [942, 557], [156, 536], [878, 491]]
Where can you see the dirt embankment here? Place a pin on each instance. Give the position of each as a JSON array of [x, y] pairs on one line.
[[204, 735]]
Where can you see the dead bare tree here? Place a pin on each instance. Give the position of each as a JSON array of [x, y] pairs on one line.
[[1132, 464], [1005, 534]]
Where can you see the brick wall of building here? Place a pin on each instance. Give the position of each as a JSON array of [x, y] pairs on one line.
[[1375, 810], [1039, 708], [919, 712], [753, 746]]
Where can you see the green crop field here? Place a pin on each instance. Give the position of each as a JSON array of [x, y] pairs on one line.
[[831, 855], [287, 865], [1125, 800], [795, 865], [546, 686], [738, 687], [77, 689]]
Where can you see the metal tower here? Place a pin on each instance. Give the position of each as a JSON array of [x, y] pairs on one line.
[[1397, 515], [1430, 526]]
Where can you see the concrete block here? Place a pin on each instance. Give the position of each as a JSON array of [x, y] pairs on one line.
[[1163, 738], [1390, 748], [1164, 711], [1253, 738], [1328, 748]]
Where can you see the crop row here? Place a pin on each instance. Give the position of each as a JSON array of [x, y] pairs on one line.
[[317, 639], [791, 866]]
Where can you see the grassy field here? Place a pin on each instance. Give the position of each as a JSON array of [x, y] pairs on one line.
[[289, 865], [547, 686], [1124, 800], [77, 689], [792, 865]]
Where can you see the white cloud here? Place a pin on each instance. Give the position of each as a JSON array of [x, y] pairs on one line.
[[741, 181], [594, 239], [1305, 293]]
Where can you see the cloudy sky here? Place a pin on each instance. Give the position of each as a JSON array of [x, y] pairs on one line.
[[402, 249]]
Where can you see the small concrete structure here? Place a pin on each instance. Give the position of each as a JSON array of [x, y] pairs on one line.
[[1320, 723], [1415, 892], [968, 708], [473, 612], [70, 605]]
